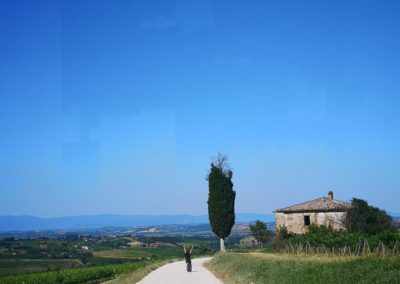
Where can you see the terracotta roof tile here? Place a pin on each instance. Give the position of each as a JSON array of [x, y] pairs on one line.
[[323, 204]]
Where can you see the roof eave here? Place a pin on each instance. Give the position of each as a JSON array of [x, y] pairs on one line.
[[311, 211]]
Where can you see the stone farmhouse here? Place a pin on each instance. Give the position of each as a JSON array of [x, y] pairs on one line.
[[325, 211]]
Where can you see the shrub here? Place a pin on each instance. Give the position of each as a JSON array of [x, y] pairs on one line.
[[323, 236]]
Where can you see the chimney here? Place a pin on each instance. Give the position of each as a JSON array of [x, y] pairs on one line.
[[330, 195]]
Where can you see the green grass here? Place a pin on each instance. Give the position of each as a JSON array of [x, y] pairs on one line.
[[74, 276], [98, 261], [281, 268]]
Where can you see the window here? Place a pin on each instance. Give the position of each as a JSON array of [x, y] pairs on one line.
[[306, 220]]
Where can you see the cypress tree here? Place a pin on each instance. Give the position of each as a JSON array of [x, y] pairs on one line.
[[221, 200]]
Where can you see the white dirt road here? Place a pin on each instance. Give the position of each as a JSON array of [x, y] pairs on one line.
[[176, 273]]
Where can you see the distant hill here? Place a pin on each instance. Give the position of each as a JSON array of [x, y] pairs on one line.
[[29, 223]]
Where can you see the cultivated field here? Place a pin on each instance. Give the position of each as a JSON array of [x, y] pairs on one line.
[[20, 266], [140, 253], [284, 268], [90, 259], [82, 275]]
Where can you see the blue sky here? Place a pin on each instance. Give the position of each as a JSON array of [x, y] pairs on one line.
[[118, 106]]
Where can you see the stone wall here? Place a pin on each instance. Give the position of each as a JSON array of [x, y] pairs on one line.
[[294, 222]]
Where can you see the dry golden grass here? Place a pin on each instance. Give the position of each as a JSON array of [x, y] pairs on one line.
[[259, 267], [310, 257]]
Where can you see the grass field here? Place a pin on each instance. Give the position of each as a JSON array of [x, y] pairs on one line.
[[282, 268]]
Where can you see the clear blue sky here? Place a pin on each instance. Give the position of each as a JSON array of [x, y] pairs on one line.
[[118, 106]]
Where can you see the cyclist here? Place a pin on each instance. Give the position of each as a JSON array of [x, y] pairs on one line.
[[188, 260]]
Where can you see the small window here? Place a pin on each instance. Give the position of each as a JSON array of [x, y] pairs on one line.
[[306, 220]]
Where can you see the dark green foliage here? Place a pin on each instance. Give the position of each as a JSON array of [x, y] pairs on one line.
[[221, 201], [366, 219], [260, 232], [323, 236], [281, 236]]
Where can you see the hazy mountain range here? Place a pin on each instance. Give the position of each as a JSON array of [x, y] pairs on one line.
[[29, 223]]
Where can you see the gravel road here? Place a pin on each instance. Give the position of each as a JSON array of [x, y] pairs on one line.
[[176, 273]]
